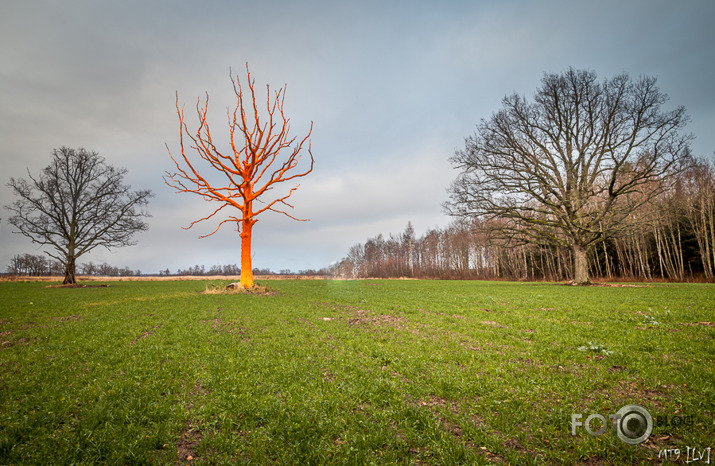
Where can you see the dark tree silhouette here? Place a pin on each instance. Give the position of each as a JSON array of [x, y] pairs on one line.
[[569, 167], [77, 204]]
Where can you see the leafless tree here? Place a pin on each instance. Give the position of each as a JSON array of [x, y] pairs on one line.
[[77, 204], [29, 264], [260, 157], [569, 167], [699, 183]]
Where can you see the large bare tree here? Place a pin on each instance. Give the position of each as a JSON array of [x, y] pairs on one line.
[[77, 204], [261, 155], [570, 166]]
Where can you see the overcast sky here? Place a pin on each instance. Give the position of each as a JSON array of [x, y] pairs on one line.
[[392, 88]]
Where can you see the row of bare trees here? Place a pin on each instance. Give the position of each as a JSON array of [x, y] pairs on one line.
[[36, 265], [234, 270], [107, 270], [670, 237]]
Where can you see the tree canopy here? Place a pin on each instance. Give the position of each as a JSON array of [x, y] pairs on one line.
[[77, 203], [571, 165]]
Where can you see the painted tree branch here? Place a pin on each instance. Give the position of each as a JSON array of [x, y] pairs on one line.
[[251, 167]]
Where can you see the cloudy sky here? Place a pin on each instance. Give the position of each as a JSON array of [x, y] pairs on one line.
[[392, 88]]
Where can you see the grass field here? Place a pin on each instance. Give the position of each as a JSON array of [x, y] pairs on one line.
[[351, 372]]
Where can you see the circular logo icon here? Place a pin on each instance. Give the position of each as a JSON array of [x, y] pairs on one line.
[[634, 425]]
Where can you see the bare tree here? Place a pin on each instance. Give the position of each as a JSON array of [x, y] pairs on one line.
[[570, 167], [29, 264], [251, 165], [77, 203], [699, 183]]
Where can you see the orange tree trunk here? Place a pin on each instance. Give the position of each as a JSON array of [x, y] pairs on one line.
[[246, 266]]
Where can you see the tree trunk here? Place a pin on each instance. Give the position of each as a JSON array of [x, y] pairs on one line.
[[70, 275], [580, 263], [246, 266]]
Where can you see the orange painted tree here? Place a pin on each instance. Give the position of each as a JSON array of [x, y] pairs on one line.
[[260, 155]]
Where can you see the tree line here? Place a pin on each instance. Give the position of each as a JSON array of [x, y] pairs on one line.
[[38, 266], [235, 270], [672, 236]]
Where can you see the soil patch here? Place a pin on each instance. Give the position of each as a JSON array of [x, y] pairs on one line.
[[78, 285], [145, 334], [607, 285], [186, 446], [236, 288]]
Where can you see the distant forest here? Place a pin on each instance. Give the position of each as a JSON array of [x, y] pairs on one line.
[[672, 237], [37, 266]]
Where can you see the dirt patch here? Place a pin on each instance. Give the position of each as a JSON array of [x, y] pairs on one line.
[[367, 320], [66, 318], [230, 327], [236, 288], [432, 401], [196, 392], [695, 324], [438, 405], [451, 315], [144, 335], [492, 458], [328, 376], [187, 444], [20, 341], [357, 317], [363, 317], [628, 391], [78, 285], [492, 323], [608, 285]]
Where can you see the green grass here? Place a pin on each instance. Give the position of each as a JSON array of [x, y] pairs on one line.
[[350, 372]]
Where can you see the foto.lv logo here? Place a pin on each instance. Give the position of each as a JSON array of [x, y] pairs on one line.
[[633, 424]]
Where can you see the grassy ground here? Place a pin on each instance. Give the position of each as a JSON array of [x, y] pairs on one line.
[[351, 372]]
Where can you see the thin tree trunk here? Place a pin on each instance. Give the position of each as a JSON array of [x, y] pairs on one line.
[[608, 265], [711, 217], [659, 250], [682, 255]]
